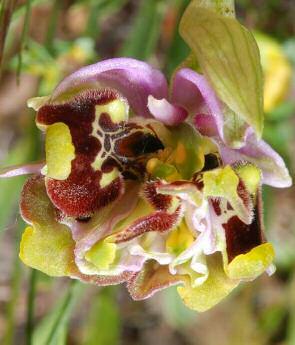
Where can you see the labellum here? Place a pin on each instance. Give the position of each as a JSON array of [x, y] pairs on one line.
[[156, 188]]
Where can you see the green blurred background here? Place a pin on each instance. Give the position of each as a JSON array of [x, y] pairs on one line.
[[41, 41]]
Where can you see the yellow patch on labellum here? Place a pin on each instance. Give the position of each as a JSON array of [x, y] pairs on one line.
[[60, 151], [223, 182], [108, 178], [37, 102], [97, 164], [179, 239], [48, 248], [102, 254], [251, 177], [118, 111]]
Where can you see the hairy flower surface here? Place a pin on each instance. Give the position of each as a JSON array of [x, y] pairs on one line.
[[150, 186]]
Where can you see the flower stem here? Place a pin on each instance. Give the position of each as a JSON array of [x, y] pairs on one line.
[[62, 316], [31, 307]]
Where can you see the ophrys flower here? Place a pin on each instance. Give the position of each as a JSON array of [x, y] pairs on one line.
[[149, 186]]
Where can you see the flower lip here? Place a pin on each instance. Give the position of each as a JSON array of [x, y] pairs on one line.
[[79, 195], [107, 147]]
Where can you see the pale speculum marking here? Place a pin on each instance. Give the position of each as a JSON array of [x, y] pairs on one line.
[[106, 151]]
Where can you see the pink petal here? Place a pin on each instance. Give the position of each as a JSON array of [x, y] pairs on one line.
[[134, 79], [18, 170], [167, 113], [206, 125], [258, 152], [129, 262], [274, 170], [192, 91]]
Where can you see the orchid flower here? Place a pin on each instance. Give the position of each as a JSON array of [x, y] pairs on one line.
[[154, 186]]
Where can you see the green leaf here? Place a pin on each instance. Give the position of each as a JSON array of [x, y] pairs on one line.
[[229, 58], [21, 8], [145, 31], [24, 36], [103, 325], [31, 305], [53, 328], [99, 11], [178, 49], [7, 8]]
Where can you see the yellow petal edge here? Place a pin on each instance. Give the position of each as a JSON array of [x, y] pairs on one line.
[[212, 291], [102, 255], [252, 264], [60, 151], [223, 182], [48, 249]]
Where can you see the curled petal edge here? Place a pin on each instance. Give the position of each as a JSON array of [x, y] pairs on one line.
[[167, 113], [134, 79], [192, 91]]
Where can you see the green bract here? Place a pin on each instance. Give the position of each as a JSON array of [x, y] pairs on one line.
[[229, 57]]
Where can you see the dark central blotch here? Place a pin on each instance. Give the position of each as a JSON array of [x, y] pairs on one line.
[[212, 161], [241, 237], [138, 144]]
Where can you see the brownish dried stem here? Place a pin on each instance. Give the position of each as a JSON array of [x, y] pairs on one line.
[[6, 12]]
